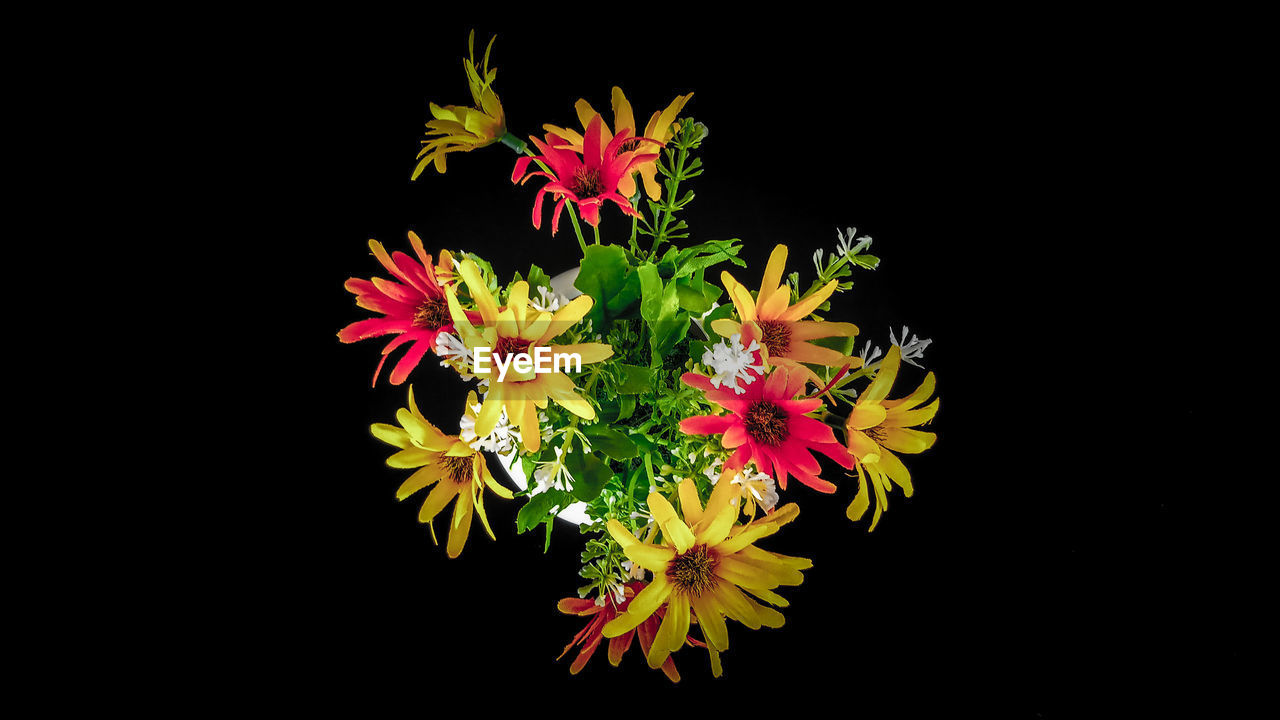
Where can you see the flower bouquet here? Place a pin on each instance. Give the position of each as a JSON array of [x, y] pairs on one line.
[[675, 413]]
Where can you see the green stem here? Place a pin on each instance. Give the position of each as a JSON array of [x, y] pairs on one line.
[[597, 229], [515, 143]]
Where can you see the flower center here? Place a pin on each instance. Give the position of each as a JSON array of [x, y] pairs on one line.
[[693, 571], [875, 433], [432, 314], [766, 423], [457, 469], [586, 183], [628, 145], [510, 346], [776, 335]]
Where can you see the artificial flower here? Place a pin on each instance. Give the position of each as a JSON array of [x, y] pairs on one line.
[[587, 179], [876, 427], [456, 469], [702, 568], [782, 328], [413, 308], [515, 329], [463, 129], [659, 130], [590, 637], [769, 427]]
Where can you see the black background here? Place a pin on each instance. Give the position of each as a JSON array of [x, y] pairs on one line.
[[1030, 574]]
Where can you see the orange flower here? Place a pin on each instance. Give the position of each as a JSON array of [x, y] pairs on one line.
[[588, 639], [780, 326]]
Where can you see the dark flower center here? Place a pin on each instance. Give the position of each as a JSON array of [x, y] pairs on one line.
[[776, 335], [510, 346], [457, 469], [693, 571], [432, 314], [875, 433], [766, 423], [628, 145], [586, 183]]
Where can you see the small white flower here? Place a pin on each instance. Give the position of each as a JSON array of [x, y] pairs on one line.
[[547, 301], [845, 242], [454, 354], [817, 260], [911, 349], [503, 440], [869, 354], [544, 480], [634, 570], [732, 362], [753, 485]]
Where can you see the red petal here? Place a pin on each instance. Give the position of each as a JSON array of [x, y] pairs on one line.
[[707, 424]]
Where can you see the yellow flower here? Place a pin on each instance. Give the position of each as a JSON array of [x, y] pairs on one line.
[[659, 129], [510, 331], [780, 326], [456, 469], [465, 128], [702, 568], [877, 426]]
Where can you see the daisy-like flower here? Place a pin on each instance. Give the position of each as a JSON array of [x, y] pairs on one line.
[[770, 427], [587, 179], [462, 129], [733, 361], [517, 329], [455, 468], [590, 637], [876, 427], [413, 308], [702, 568], [783, 331], [660, 130]]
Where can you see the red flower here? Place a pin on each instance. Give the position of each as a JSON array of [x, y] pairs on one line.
[[589, 637], [768, 426], [587, 179], [414, 308]]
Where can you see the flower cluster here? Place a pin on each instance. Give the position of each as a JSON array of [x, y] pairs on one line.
[[687, 408]]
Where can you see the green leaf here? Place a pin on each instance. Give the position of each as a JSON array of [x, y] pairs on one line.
[[610, 442], [539, 508], [589, 475], [610, 281], [636, 379]]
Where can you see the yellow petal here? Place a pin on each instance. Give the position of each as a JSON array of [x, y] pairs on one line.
[[802, 309], [711, 620], [672, 526], [772, 276], [885, 376], [690, 503], [643, 605], [863, 416]]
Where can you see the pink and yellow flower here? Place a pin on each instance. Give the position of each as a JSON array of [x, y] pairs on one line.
[[876, 426], [702, 568], [770, 426], [413, 308], [660, 130], [455, 468], [587, 179], [589, 638]]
